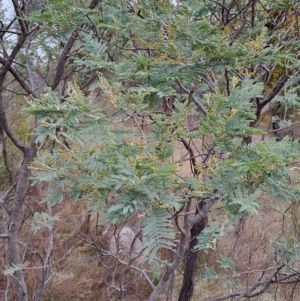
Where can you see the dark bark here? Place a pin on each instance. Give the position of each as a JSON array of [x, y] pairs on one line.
[[177, 259], [189, 222], [191, 263]]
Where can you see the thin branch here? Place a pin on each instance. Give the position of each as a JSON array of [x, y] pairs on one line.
[[28, 69], [267, 282], [274, 90], [240, 11], [225, 297], [6, 193], [4, 235], [4, 206], [6, 29], [19, 14], [60, 67], [193, 98], [247, 293], [209, 82], [7, 288], [10, 135], [46, 273], [192, 158]]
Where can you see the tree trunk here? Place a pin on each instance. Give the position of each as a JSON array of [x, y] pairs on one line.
[[191, 263], [189, 223], [13, 254]]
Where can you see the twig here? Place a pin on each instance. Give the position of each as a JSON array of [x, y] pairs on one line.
[[193, 97], [4, 235]]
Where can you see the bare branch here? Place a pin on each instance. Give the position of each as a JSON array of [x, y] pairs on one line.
[[4, 235], [193, 97], [193, 162], [247, 292], [274, 90], [19, 14], [10, 135], [267, 282]]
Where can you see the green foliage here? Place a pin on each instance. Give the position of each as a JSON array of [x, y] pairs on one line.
[[119, 158], [289, 251], [209, 274], [226, 263], [241, 202], [43, 220], [208, 238], [133, 171], [158, 232], [135, 174]]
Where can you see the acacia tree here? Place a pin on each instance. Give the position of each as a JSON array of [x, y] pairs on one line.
[[196, 73]]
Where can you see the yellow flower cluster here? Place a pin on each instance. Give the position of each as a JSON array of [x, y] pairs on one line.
[[108, 91], [257, 45]]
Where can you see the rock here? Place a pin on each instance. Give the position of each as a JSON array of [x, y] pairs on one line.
[[122, 243]]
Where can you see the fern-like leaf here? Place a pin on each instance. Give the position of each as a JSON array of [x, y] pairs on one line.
[[157, 232]]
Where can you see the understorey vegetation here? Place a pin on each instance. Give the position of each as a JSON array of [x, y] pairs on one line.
[[150, 150]]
